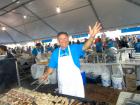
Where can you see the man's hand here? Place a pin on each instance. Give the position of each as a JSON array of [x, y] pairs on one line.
[[92, 32], [46, 74], [44, 77], [96, 29]]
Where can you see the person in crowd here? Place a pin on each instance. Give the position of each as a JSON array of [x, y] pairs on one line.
[[66, 60], [37, 51], [17, 50], [99, 46], [134, 40], [73, 42], [7, 69], [23, 49], [70, 42], [55, 46], [78, 41], [49, 48], [137, 46], [85, 40], [29, 49], [13, 51], [5, 52], [97, 39], [117, 43], [124, 42], [110, 43]]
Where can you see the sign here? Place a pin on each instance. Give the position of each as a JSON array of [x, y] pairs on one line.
[[130, 29], [80, 35], [46, 40]]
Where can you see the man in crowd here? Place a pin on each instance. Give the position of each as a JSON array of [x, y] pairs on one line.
[[8, 74], [37, 51]]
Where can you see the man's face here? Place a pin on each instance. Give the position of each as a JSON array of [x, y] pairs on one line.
[[63, 40], [38, 47]]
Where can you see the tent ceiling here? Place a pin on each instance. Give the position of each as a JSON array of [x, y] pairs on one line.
[[43, 21]]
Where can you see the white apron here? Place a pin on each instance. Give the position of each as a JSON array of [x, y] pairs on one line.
[[38, 57], [69, 77]]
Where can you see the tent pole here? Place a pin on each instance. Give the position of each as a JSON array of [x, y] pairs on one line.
[[18, 76], [10, 36], [56, 14], [133, 2], [7, 11], [40, 19], [17, 30], [95, 12], [8, 5]]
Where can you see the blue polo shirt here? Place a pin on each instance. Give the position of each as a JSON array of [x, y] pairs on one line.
[[110, 44], [36, 50], [99, 46], [76, 52], [137, 47]]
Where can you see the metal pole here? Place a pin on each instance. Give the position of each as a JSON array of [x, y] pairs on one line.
[[18, 76], [39, 18], [7, 11], [134, 2]]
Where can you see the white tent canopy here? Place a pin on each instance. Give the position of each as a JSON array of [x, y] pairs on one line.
[[43, 21]]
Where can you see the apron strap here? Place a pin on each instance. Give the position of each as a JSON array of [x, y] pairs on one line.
[[60, 50]]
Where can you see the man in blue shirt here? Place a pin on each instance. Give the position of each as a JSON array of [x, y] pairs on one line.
[[110, 43], [66, 60], [36, 52], [99, 46], [137, 46]]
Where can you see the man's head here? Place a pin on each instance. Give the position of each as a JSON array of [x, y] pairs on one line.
[[63, 39], [38, 45], [138, 40]]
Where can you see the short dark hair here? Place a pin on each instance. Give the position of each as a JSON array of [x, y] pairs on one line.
[[62, 33], [38, 44], [4, 48]]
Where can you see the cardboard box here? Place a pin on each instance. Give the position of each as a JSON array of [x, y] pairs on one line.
[[130, 80], [130, 76]]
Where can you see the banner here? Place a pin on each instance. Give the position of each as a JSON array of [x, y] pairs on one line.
[[46, 40], [80, 35], [124, 30]]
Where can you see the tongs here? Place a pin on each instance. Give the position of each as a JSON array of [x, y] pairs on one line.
[[36, 81], [41, 83]]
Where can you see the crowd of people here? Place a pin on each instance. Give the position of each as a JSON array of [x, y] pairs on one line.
[[99, 45], [7, 69]]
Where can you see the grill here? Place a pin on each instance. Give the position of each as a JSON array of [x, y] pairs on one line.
[[22, 96]]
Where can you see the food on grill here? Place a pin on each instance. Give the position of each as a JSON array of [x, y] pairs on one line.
[[21, 96]]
